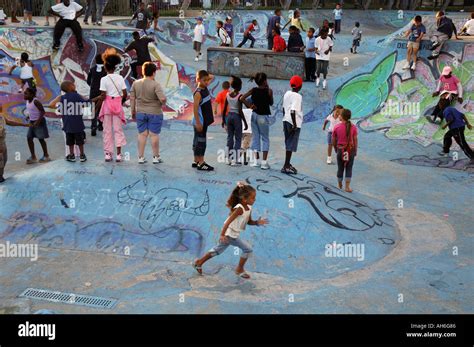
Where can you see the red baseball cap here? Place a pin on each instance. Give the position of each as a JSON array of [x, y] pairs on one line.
[[296, 81]]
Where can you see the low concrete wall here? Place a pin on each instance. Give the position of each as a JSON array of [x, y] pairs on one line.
[[242, 62]]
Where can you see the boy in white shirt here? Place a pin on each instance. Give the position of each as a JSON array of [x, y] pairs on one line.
[[323, 47], [468, 28], [292, 121], [199, 33], [333, 120], [68, 11]]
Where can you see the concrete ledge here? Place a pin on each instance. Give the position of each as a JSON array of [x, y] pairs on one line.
[[243, 62]]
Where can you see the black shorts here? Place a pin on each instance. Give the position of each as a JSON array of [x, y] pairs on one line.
[[75, 138]]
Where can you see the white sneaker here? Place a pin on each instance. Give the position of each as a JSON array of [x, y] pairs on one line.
[[141, 160], [255, 163], [265, 165], [406, 66], [329, 161], [324, 84], [317, 82], [157, 160], [413, 66], [196, 59]]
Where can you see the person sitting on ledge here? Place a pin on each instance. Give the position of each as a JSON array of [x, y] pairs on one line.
[[295, 42], [68, 11]]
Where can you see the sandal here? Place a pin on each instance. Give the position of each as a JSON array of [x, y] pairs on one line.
[[197, 267], [243, 275]]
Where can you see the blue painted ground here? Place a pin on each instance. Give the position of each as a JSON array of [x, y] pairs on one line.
[[131, 231]]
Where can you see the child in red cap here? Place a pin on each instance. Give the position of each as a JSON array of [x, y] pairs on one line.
[[292, 120], [449, 87]]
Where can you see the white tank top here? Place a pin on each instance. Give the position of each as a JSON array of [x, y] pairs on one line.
[[239, 223], [26, 72]]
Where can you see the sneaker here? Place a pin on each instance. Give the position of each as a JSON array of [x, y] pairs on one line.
[[433, 56], [352, 51], [108, 157], [2, 179], [83, 158], [235, 163], [265, 165], [325, 83], [118, 159], [355, 52], [86, 22], [71, 158], [406, 66], [317, 82], [255, 163], [329, 161], [31, 161], [434, 46], [194, 164], [99, 23], [32, 23], [196, 59], [45, 159], [205, 167], [413, 66], [141, 160], [443, 154], [100, 127], [15, 20], [46, 24], [157, 160]]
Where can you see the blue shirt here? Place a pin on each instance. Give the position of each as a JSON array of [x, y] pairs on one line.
[[71, 109], [310, 44], [457, 118], [416, 32], [337, 14], [206, 115]]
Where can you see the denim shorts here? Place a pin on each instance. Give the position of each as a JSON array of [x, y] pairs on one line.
[[329, 137], [151, 122], [221, 247], [291, 137], [28, 6], [40, 132]]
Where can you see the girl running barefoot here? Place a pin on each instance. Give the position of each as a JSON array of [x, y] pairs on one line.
[[344, 140], [240, 203]]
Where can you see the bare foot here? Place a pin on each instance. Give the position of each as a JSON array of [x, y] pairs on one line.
[[339, 185], [242, 274], [349, 190]]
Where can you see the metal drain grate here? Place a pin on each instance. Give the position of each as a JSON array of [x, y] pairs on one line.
[[68, 298]]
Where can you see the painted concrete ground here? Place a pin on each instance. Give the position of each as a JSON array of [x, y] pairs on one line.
[[130, 232]]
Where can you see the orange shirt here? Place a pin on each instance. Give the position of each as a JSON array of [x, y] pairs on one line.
[[220, 99]]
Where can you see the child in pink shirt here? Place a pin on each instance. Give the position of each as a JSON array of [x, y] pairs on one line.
[[344, 140], [449, 87]]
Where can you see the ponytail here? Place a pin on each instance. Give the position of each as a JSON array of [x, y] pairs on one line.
[[241, 191]]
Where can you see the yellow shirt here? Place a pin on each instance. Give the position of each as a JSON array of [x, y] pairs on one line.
[[297, 23]]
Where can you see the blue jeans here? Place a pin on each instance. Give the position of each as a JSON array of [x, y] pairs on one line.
[[234, 132], [221, 247], [100, 9], [260, 132], [91, 10]]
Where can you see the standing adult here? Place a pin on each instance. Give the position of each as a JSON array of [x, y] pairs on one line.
[[100, 10], [444, 30], [147, 98], [273, 24], [92, 6], [68, 11], [140, 45], [16, 9]]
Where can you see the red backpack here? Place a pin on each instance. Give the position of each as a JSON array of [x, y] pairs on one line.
[[279, 44]]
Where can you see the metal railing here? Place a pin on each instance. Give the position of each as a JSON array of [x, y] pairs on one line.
[[172, 7]]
